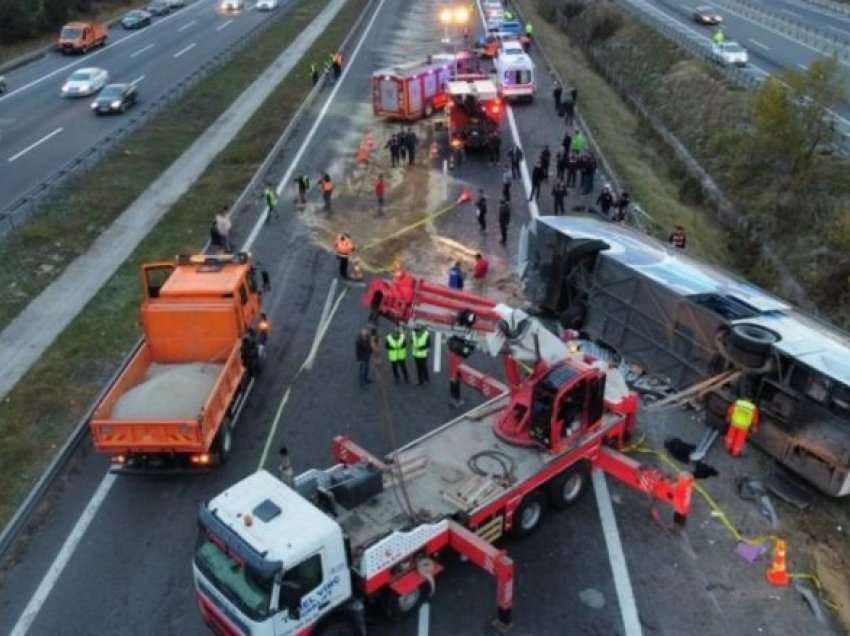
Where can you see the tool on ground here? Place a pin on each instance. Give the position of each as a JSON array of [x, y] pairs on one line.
[[704, 445]]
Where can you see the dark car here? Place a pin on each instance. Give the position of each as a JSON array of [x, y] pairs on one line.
[[136, 19], [159, 7], [706, 15], [175, 4], [115, 98]]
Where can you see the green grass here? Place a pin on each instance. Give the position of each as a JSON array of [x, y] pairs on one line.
[[38, 415], [644, 165]]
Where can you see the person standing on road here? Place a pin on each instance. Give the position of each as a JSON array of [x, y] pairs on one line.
[[456, 276], [557, 93], [678, 238], [507, 180], [504, 220], [589, 173], [481, 207], [572, 169], [216, 240], [623, 202], [479, 273], [495, 149], [578, 143], [393, 146], [314, 73], [536, 180], [560, 164], [411, 141], [559, 194], [421, 341], [302, 182], [605, 200], [363, 353], [545, 160], [568, 109], [344, 247], [271, 201], [337, 65], [567, 140], [397, 354], [515, 155], [380, 188], [327, 187], [574, 95], [223, 225]]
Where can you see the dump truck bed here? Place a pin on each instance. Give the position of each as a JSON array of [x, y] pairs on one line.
[[439, 480]]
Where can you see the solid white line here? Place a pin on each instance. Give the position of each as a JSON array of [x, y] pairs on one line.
[[323, 328], [273, 428], [287, 176], [186, 26], [185, 50], [35, 144], [760, 45], [523, 167], [224, 25], [794, 13], [38, 599], [424, 620], [88, 57], [138, 79], [143, 49], [622, 583]]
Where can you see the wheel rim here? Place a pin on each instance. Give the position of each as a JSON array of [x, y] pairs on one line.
[[530, 516], [407, 602], [572, 487]]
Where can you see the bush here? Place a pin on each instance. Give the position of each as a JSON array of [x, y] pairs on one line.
[[15, 20]]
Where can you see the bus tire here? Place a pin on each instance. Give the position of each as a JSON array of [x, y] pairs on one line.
[[337, 625], [396, 606], [224, 442], [528, 514], [752, 338], [566, 489]]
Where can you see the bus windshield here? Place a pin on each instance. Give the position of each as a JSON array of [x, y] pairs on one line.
[[246, 589]]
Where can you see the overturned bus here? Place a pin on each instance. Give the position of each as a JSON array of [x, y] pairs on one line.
[[685, 320]]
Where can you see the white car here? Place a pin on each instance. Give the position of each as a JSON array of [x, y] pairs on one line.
[[232, 5], [266, 5], [84, 82], [729, 53]]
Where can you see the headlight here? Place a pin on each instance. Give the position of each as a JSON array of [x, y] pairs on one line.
[[116, 104], [64, 88], [94, 104]]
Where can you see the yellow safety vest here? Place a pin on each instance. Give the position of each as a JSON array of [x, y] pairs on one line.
[[396, 349], [420, 344], [743, 414]]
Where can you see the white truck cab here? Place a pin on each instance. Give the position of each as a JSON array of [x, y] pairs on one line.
[[267, 562], [514, 71]]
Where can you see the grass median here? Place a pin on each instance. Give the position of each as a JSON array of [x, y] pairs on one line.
[[40, 412]]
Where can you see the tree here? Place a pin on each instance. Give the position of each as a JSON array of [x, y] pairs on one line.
[[54, 13], [792, 114], [15, 20]]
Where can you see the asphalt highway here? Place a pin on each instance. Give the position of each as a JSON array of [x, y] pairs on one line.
[[128, 569], [40, 131]]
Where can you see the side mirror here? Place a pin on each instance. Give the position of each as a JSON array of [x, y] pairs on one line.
[[290, 599]]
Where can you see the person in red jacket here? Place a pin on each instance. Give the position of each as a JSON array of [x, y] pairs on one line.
[[479, 273], [380, 189]]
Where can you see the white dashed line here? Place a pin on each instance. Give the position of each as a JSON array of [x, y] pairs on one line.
[[35, 144], [185, 50], [143, 49], [760, 45], [186, 26], [224, 25]]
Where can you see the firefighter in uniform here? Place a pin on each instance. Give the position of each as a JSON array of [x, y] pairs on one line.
[[397, 353], [743, 418], [421, 341]]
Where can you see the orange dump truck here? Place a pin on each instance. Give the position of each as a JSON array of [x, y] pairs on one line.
[[81, 37], [175, 404]]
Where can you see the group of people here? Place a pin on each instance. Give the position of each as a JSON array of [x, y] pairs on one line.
[[332, 69], [399, 344], [402, 146]]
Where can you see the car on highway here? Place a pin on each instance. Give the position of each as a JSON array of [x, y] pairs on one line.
[[266, 5], [84, 82], [232, 5], [136, 19], [707, 16], [159, 7], [729, 53], [115, 98]]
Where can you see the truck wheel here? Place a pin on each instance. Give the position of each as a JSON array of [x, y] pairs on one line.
[[398, 605], [224, 442], [528, 514], [567, 488], [337, 626]]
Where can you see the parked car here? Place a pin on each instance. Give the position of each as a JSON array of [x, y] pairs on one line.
[[232, 5], [84, 82], [136, 19], [159, 7], [729, 53], [115, 98], [266, 5], [707, 16]]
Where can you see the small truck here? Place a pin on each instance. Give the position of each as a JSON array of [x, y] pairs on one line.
[[81, 37], [174, 406], [305, 557], [473, 113]]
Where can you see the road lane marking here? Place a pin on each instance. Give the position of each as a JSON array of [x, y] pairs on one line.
[[619, 568], [794, 13], [143, 49], [35, 144], [86, 59], [138, 79], [760, 45], [224, 25], [287, 176], [424, 626], [67, 550], [185, 50], [186, 26]]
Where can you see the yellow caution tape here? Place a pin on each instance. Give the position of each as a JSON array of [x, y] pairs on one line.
[[412, 226]]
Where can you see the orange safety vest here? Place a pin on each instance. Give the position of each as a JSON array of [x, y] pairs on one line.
[[327, 185], [343, 245]]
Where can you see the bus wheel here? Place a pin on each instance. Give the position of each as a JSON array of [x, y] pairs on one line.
[[398, 605], [528, 514], [337, 626]]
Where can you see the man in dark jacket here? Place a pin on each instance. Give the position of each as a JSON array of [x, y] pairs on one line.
[[363, 353], [605, 200], [559, 194], [504, 219], [536, 180], [481, 206], [515, 155], [545, 160], [572, 169]]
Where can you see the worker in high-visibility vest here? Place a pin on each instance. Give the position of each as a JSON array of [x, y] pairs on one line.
[[344, 248], [421, 341], [397, 353], [719, 37], [271, 201], [743, 417]]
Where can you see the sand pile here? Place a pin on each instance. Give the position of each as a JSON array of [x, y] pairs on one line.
[[168, 392]]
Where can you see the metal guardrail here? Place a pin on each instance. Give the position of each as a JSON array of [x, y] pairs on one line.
[[837, 7], [27, 508], [18, 211]]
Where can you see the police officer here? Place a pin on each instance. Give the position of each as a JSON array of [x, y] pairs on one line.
[[421, 341], [743, 417], [396, 342]]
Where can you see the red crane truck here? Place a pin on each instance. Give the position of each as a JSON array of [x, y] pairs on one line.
[[378, 527]]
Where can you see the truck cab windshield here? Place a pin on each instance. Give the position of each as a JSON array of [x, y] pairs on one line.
[[249, 591], [70, 33]]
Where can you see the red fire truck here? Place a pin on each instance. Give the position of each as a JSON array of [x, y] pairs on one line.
[[473, 114]]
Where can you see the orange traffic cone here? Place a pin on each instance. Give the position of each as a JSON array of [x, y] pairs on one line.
[[777, 573], [465, 196]]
